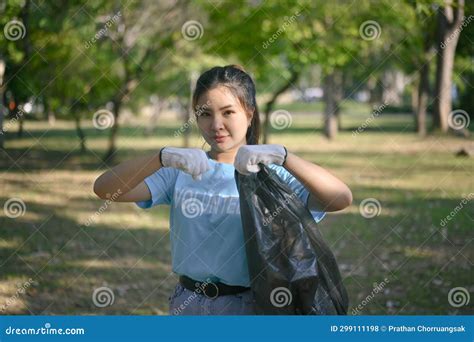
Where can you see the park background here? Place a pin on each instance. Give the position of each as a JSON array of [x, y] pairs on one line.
[[378, 92]]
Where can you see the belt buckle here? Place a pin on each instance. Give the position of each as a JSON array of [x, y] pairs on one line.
[[215, 291]]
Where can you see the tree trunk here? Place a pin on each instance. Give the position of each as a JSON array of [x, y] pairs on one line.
[[189, 108], [331, 106], [80, 132], [449, 20], [19, 134], [269, 106], [3, 109], [109, 156], [2, 114], [392, 87], [375, 91], [27, 49], [117, 105], [422, 102], [51, 117], [338, 94], [414, 96], [186, 118], [49, 113], [156, 106]]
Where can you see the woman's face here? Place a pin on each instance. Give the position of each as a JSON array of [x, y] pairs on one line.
[[222, 120]]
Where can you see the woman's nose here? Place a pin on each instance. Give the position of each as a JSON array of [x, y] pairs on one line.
[[217, 124]]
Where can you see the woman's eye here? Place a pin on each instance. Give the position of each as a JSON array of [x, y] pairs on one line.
[[229, 112], [204, 114]]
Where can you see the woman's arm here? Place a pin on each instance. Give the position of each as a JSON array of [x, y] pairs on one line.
[[327, 192], [126, 179]]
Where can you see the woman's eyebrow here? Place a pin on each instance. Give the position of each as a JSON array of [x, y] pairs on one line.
[[225, 107]]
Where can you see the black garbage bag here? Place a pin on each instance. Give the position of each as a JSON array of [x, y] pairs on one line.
[[292, 270]]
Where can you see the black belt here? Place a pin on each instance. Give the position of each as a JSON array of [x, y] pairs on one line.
[[209, 289]]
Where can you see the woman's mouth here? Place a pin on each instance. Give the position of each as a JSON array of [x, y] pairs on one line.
[[220, 138]]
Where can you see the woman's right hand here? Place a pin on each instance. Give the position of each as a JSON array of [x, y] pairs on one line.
[[190, 160]]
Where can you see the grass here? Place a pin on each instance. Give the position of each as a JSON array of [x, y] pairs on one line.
[[418, 182]]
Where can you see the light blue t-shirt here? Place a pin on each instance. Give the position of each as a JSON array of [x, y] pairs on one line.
[[207, 240]]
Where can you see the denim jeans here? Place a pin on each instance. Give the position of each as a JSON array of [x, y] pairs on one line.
[[185, 302]]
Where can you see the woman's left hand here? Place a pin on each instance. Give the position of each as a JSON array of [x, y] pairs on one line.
[[249, 156]]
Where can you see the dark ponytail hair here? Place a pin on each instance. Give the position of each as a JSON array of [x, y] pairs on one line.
[[241, 85]]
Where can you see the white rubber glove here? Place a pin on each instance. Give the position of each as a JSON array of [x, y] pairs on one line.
[[190, 160], [249, 156]]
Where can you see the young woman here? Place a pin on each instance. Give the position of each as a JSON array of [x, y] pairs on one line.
[[207, 243]]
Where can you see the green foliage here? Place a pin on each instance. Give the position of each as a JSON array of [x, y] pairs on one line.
[[80, 58]]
